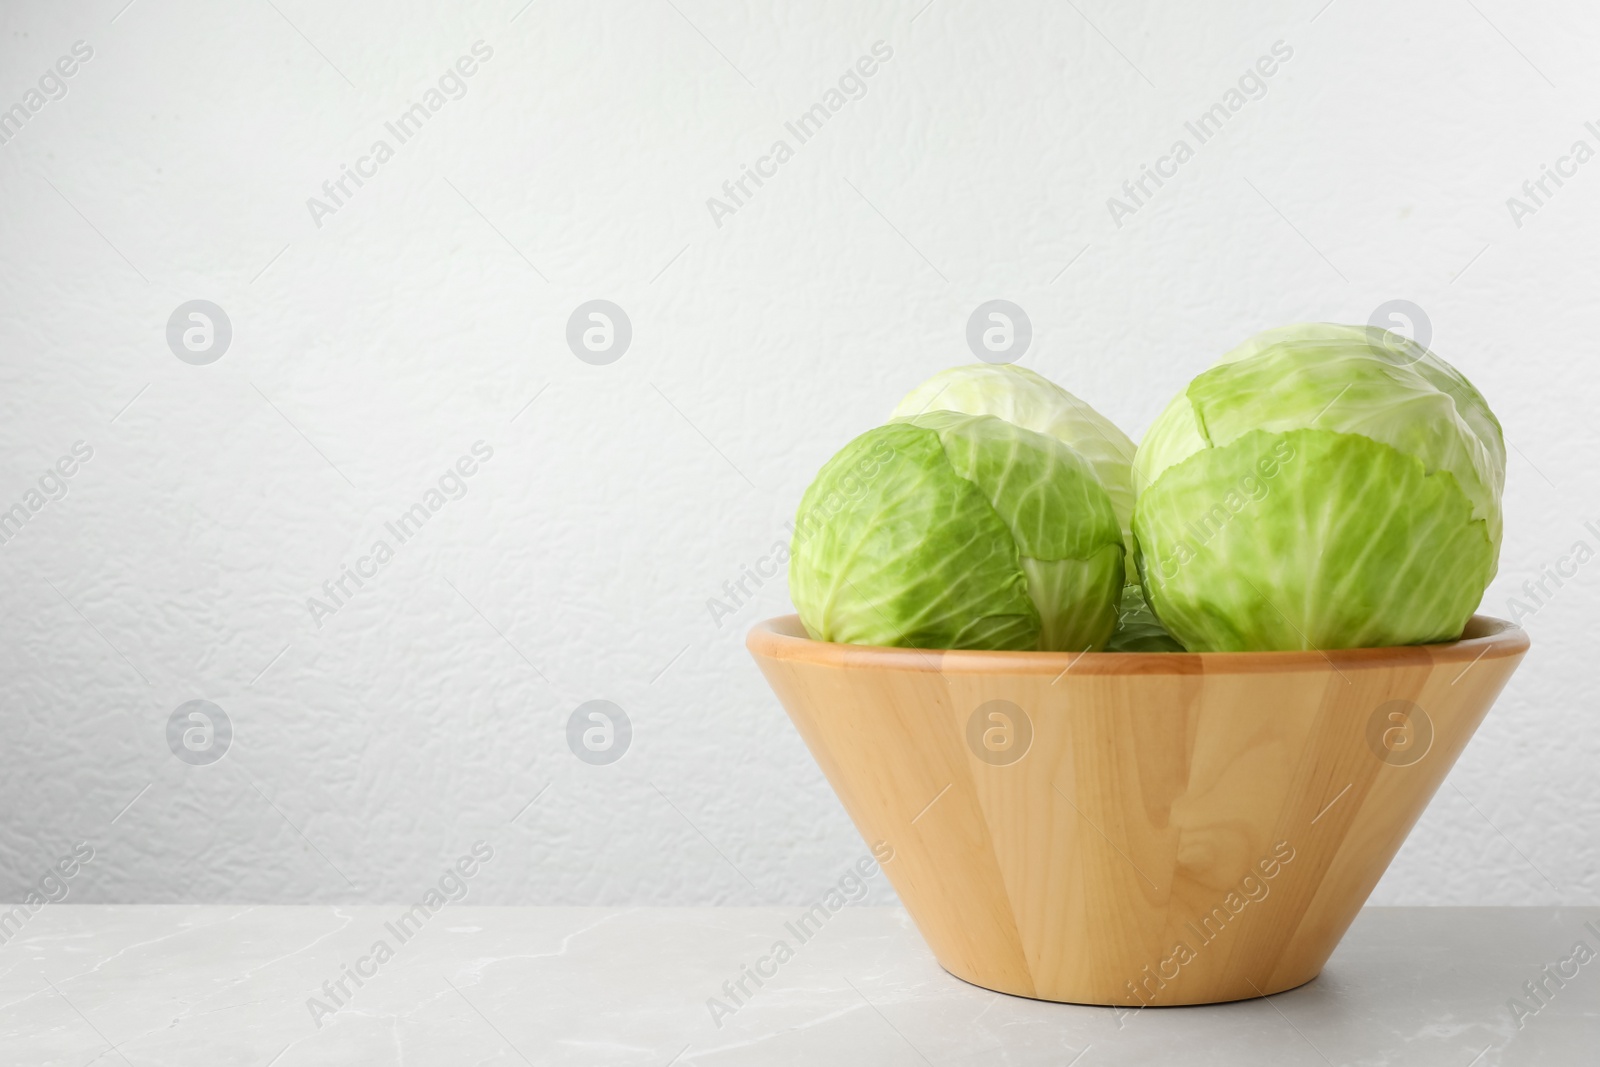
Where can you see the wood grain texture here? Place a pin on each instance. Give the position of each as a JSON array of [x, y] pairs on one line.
[[1178, 829]]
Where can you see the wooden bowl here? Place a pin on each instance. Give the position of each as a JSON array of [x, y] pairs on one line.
[[1135, 828]]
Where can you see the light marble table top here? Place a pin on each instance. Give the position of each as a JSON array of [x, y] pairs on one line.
[[212, 986]]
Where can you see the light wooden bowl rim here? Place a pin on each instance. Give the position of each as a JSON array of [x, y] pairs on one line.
[[784, 638]]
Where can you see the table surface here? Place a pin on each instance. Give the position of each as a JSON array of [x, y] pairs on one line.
[[615, 986]]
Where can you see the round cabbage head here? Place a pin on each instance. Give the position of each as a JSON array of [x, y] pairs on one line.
[[1035, 403], [957, 531], [1321, 486]]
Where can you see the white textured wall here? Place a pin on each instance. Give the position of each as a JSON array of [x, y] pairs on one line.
[[372, 351]]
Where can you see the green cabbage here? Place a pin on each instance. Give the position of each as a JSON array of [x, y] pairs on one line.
[[1138, 629], [1035, 403], [956, 531], [1322, 486], [1030, 400]]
